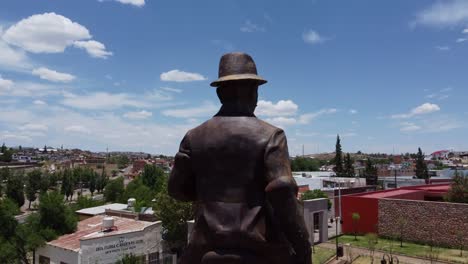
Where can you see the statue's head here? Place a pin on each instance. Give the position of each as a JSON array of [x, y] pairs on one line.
[[238, 82]]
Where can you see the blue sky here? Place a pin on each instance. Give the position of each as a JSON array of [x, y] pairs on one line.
[[388, 76]]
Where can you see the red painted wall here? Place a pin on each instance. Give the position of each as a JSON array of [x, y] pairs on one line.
[[367, 209]]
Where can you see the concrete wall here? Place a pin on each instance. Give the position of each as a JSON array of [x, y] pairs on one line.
[[423, 221], [368, 210], [57, 255]]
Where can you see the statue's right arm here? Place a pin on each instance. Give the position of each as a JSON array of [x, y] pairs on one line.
[[181, 185], [281, 192]]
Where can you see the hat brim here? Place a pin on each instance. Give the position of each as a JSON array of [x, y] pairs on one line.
[[235, 77]]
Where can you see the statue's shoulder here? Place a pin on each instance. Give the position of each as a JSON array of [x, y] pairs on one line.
[[269, 126]]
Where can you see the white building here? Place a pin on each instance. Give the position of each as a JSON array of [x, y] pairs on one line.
[[105, 240]]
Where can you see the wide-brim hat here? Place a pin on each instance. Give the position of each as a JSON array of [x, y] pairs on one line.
[[237, 66]]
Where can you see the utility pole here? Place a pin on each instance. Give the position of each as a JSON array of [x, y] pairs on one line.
[[395, 178]]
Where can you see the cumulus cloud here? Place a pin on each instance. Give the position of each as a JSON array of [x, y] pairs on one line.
[[102, 100], [77, 129], [409, 127], [5, 85], [173, 90], [205, 110], [181, 76], [53, 76], [50, 33], [281, 121], [138, 3], [45, 33], [423, 109], [33, 127], [443, 13], [39, 102], [281, 108], [307, 118], [442, 48], [94, 48], [138, 115], [313, 37], [353, 111], [250, 27], [12, 58]]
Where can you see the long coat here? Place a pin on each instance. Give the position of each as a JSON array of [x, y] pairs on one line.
[[237, 171]]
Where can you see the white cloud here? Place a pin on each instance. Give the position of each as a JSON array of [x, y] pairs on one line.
[[181, 76], [465, 31], [281, 121], [313, 37], [33, 127], [460, 40], [102, 100], [77, 129], [31, 89], [12, 58], [281, 108], [45, 33], [307, 118], [5, 85], [94, 48], [206, 109], [423, 109], [353, 111], [53, 76], [138, 115], [138, 3], [409, 127], [39, 102], [443, 13], [250, 27], [443, 48], [173, 90]]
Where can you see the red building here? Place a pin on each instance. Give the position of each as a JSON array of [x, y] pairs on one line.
[[367, 204]]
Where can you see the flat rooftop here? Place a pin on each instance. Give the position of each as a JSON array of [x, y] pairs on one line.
[[436, 189], [101, 209], [91, 228]]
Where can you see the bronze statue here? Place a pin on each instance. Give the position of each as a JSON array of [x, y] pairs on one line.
[[236, 169]]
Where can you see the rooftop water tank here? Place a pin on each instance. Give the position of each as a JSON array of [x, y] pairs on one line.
[[108, 223]]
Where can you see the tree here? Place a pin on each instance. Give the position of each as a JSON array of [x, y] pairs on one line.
[[4, 148], [33, 181], [304, 164], [7, 156], [130, 259], [55, 214], [356, 217], [4, 176], [142, 193], [153, 177], [401, 222], [421, 166], [67, 183], [92, 183], [370, 173], [15, 188], [174, 216], [458, 192], [349, 167], [44, 183], [315, 194], [114, 190], [338, 160]]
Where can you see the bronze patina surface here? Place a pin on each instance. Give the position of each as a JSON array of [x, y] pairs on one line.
[[236, 168]]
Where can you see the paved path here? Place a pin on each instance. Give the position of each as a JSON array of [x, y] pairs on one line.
[[377, 255]]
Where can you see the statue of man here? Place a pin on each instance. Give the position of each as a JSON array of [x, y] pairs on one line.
[[236, 169]]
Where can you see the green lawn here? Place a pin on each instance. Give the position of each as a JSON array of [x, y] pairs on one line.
[[320, 255], [409, 249], [367, 260]]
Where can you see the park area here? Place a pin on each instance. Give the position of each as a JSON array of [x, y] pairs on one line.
[[388, 246]]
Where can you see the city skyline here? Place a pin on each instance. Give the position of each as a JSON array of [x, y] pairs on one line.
[[134, 75]]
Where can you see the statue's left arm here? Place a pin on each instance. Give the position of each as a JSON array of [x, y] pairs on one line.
[[181, 184]]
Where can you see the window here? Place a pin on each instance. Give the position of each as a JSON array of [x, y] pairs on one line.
[[44, 260], [153, 258]]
